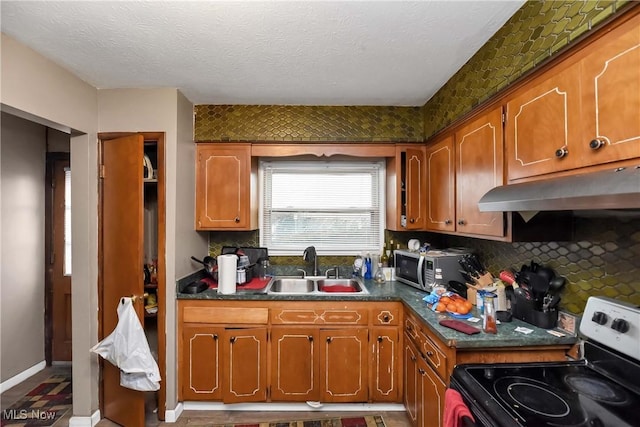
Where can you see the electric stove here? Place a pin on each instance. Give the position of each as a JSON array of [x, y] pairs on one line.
[[602, 389]]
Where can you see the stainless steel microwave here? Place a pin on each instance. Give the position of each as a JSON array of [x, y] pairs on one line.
[[424, 269]]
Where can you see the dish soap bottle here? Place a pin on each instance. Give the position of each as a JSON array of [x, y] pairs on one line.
[[367, 267], [379, 277]]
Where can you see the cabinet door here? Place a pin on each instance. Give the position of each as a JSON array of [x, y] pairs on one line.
[[200, 362], [223, 175], [440, 209], [479, 168], [414, 188], [384, 363], [432, 389], [411, 381], [611, 96], [245, 373], [294, 364], [542, 125], [343, 365]]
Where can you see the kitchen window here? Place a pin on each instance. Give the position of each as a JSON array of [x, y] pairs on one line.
[[336, 206]]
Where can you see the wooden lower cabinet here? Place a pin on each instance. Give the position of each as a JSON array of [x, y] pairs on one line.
[[200, 373], [384, 364], [224, 364], [290, 352], [343, 364], [423, 389], [245, 361], [294, 364]]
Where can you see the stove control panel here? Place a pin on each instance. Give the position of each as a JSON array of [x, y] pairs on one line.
[[613, 323]]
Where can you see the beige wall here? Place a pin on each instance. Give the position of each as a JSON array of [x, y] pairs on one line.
[[22, 176], [36, 88], [164, 110]]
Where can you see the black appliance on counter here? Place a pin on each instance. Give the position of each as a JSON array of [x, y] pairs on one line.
[[601, 390]]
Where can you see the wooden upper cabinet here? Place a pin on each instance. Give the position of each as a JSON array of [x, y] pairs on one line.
[[582, 112], [226, 191], [479, 168], [610, 84], [414, 188], [406, 188], [440, 197]]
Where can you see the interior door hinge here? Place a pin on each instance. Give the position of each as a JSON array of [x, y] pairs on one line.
[[504, 118], [102, 172]]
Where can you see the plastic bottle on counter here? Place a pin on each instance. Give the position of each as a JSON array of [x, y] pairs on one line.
[[489, 320], [368, 267]]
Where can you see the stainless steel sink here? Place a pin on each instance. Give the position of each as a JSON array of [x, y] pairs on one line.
[[292, 286], [317, 286]]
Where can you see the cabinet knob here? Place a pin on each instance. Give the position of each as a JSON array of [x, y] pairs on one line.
[[596, 143], [385, 319], [561, 152], [329, 339], [237, 219], [422, 371], [447, 221], [215, 337], [232, 340], [379, 339], [461, 222], [311, 338], [413, 358], [430, 353], [412, 220]]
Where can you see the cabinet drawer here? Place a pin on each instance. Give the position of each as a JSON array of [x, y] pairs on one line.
[[433, 355], [309, 316], [226, 315], [386, 316]]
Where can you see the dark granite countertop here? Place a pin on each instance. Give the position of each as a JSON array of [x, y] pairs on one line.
[[412, 298]]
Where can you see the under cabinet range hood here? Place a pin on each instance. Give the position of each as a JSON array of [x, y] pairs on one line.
[[609, 189]]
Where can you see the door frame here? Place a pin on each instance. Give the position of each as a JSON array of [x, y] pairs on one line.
[[51, 159], [159, 138]]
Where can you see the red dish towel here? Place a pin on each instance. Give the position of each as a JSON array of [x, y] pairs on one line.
[[338, 288], [455, 409]]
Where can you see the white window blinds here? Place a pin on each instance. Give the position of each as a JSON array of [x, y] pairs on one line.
[[336, 206]]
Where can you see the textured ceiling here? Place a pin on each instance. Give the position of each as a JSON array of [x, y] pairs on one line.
[[395, 53]]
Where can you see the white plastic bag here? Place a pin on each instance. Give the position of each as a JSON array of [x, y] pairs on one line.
[[127, 348]]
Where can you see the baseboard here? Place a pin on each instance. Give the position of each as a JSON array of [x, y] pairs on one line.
[[171, 416], [301, 407], [17, 379], [85, 421]]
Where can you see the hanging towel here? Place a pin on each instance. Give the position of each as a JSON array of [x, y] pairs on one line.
[[127, 348], [455, 410]]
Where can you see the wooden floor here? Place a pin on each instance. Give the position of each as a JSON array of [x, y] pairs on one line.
[[196, 418]]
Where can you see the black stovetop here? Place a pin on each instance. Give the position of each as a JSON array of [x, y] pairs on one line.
[[550, 394]]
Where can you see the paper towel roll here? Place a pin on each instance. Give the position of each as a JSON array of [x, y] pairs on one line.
[[227, 265]]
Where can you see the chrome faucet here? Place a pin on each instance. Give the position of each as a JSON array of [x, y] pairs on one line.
[[310, 255], [336, 272]]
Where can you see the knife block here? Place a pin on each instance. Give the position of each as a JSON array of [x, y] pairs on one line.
[[524, 310]]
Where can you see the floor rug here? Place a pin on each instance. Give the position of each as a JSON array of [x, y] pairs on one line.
[[43, 406], [356, 421]]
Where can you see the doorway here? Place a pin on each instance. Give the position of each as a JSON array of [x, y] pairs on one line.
[[57, 318]]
